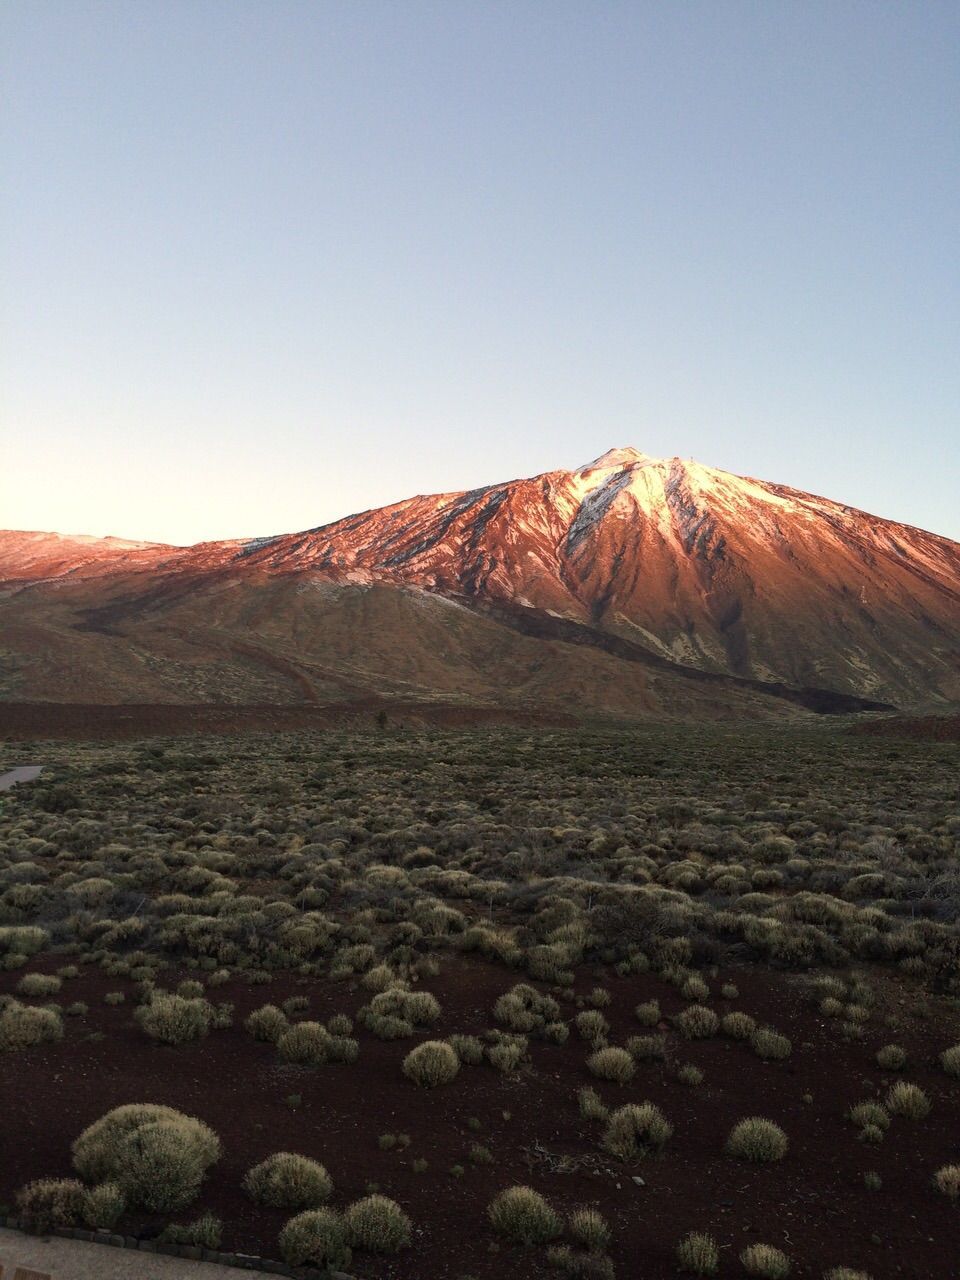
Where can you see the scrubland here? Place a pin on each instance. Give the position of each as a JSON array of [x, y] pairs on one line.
[[590, 1003]]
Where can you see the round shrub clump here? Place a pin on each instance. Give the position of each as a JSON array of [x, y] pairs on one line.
[[633, 1129], [288, 1181], [39, 984], [697, 1253], [175, 1019], [765, 1261], [50, 1202], [767, 1043], [757, 1140], [267, 1023], [23, 1025], [378, 1225], [611, 1064], [522, 1214], [950, 1060], [432, 1063], [947, 1180], [589, 1228], [907, 1100], [157, 1156], [317, 1237], [308, 1043], [103, 1206], [697, 1022]]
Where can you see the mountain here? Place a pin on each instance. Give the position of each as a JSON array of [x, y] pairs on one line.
[[632, 585]]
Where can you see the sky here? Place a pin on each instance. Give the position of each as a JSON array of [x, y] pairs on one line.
[[264, 264]]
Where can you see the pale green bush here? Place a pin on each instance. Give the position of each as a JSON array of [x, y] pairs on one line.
[[697, 1254], [317, 1237], [175, 1019], [757, 1140], [288, 1181], [765, 1261], [589, 1228], [432, 1063], [523, 1215], [378, 1225], [24, 1025], [103, 1206], [267, 1023], [611, 1064], [50, 1202], [156, 1155], [907, 1100], [633, 1129], [947, 1180], [39, 984]]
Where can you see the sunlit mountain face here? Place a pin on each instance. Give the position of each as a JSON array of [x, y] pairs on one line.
[[631, 585]]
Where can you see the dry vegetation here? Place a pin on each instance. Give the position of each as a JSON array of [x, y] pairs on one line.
[[652, 995]]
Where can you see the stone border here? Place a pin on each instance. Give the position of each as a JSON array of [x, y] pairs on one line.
[[242, 1261]]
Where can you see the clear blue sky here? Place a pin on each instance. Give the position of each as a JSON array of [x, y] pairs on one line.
[[264, 264]]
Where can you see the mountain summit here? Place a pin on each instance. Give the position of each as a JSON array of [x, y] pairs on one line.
[[676, 567]]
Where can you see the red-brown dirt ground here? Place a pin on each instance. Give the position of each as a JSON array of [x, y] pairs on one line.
[[813, 1204]]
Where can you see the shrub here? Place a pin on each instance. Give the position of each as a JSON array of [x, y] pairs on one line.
[[697, 1253], [39, 984], [23, 1025], [317, 1237], [156, 1155], [204, 1232], [378, 1225], [737, 1025], [907, 1100], [689, 1074], [50, 1202], [581, 1266], [845, 1273], [767, 1043], [611, 1064], [648, 1013], [523, 1008], [947, 1180], [647, 1048], [591, 1105], [506, 1056], [633, 1129], [891, 1057], [757, 1140], [765, 1261], [103, 1206], [308, 1043], [288, 1181], [523, 1215], [591, 1025], [175, 1019], [432, 1063], [114, 998], [697, 1022], [267, 1023], [869, 1113], [950, 1060], [467, 1048], [589, 1228]]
